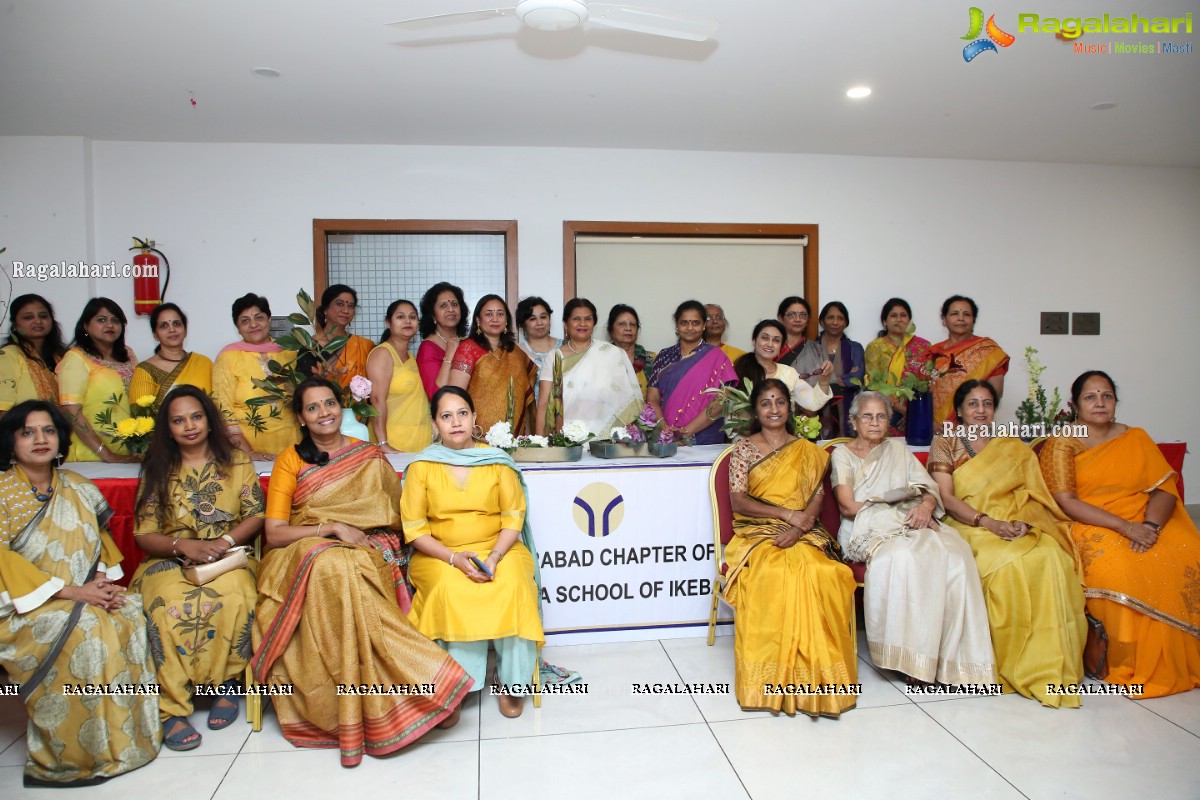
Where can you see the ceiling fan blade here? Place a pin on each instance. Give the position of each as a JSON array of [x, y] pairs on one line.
[[442, 20], [653, 21]]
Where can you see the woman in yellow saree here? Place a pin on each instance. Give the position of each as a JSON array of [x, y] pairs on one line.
[[997, 500], [171, 365], [333, 602], [33, 350], [66, 627], [1140, 549], [794, 596], [488, 364], [961, 357]]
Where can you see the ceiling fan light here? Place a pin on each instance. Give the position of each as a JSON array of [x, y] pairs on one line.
[[552, 15]]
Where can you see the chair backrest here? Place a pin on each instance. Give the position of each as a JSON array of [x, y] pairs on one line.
[[831, 515], [722, 507]]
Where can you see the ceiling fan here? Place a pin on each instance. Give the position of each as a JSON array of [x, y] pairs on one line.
[[561, 15]]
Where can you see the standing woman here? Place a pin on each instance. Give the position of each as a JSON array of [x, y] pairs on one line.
[[64, 620], [402, 425], [198, 497], [759, 364], [339, 304], [33, 350], [681, 374], [533, 318], [93, 382], [442, 327], [799, 352], [898, 352], [846, 356], [962, 356], [263, 431], [171, 365], [488, 363], [623, 329]]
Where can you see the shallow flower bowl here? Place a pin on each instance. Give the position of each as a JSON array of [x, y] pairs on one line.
[[607, 448], [663, 449], [547, 455]]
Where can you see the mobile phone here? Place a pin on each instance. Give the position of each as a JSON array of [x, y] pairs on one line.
[[479, 565]]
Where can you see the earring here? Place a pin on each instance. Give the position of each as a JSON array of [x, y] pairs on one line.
[[506, 327], [59, 459], [12, 463], [477, 432], [437, 437]]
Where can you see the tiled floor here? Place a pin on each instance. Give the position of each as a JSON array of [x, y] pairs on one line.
[[613, 743]]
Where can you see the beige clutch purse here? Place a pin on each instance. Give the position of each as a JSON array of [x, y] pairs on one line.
[[234, 558]]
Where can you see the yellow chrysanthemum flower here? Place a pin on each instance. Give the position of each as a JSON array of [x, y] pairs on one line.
[[144, 425], [127, 427], [145, 401]]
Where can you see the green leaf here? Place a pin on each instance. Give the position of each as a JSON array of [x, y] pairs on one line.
[[298, 319], [289, 341]]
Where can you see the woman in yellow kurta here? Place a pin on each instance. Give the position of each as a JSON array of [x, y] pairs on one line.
[[93, 382], [335, 314], [397, 393], [1140, 549], [996, 498], [332, 597], [199, 496], [488, 364], [463, 503], [262, 431], [794, 596], [33, 350], [171, 365], [64, 622]]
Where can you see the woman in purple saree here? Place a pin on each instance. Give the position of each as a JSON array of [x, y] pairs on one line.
[[680, 375]]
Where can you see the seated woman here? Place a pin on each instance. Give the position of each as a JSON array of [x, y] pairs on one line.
[[261, 431], [680, 376], [464, 503], [488, 364], [794, 596], [925, 615], [598, 388], [198, 497], [332, 597], [171, 365], [64, 622], [1140, 549], [32, 351], [402, 425], [759, 364], [898, 352], [962, 356], [443, 326], [623, 328], [996, 498], [93, 382], [335, 315]]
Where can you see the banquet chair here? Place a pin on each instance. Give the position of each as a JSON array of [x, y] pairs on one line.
[[831, 520], [722, 524]]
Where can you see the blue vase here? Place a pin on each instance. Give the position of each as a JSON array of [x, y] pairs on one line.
[[918, 426], [352, 427]]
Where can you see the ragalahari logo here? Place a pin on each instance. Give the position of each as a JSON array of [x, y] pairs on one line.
[[995, 36]]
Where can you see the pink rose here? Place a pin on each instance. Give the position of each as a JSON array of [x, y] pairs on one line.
[[360, 388]]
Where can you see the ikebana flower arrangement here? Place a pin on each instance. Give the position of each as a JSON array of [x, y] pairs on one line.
[[646, 428], [135, 431], [573, 434], [1036, 409]]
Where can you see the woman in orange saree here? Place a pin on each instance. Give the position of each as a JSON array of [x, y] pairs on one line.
[[1140, 549], [960, 357], [794, 596], [488, 363]]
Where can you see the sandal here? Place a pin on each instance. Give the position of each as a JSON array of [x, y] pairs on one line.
[[222, 716], [179, 740]]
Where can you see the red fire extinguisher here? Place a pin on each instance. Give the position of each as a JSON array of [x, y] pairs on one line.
[[145, 281]]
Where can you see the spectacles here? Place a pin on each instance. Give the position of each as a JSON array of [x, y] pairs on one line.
[[796, 315], [717, 318]]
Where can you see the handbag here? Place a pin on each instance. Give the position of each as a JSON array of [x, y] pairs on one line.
[[234, 558], [1095, 649]]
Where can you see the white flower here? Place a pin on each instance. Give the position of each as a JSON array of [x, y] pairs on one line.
[[500, 435], [360, 388], [534, 440], [576, 431], [619, 435]]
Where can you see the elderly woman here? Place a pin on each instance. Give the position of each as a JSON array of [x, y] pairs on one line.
[[198, 497], [962, 356], [443, 325], [171, 365], [533, 318], [997, 500], [64, 622], [474, 570], [33, 350], [93, 382], [623, 328], [598, 385], [402, 425], [1140, 549], [925, 614], [794, 596], [845, 356], [715, 326], [262, 431], [759, 364], [897, 352], [490, 365], [332, 598], [335, 315], [681, 375]]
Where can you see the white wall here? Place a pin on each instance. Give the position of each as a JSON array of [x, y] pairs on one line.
[[1019, 238]]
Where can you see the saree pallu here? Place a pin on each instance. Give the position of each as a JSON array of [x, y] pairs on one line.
[[907, 358], [681, 383], [24, 378], [492, 373], [1149, 602], [805, 358], [1030, 584], [794, 606], [194, 370], [332, 614], [976, 358], [599, 388], [73, 738]]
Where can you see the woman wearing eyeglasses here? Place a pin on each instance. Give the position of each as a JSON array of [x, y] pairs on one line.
[[681, 374], [799, 352]]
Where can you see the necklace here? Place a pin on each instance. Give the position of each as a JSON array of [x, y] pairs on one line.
[[445, 341], [173, 360], [776, 449], [42, 497], [571, 347]]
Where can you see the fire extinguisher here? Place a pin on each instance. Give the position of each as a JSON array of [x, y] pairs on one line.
[[146, 296]]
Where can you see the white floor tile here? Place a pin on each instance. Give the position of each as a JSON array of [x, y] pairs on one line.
[[676, 762], [1182, 709], [226, 741], [892, 752], [194, 778]]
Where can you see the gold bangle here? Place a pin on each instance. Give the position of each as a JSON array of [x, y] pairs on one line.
[[319, 524]]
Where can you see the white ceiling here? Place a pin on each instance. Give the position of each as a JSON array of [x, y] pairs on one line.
[[773, 80]]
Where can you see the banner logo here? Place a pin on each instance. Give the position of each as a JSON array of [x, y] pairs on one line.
[[599, 509], [995, 36]]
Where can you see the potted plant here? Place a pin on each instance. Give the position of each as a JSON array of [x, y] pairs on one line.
[[646, 435]]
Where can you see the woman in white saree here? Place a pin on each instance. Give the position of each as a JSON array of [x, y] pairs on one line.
[[924, 607]]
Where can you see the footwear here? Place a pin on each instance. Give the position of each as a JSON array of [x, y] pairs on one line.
[[452, 720], [511, 706], [185, 738], [224, 709]]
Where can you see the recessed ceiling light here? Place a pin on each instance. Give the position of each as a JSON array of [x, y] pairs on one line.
[[1103, 106], [858, 92], [266, 72]]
